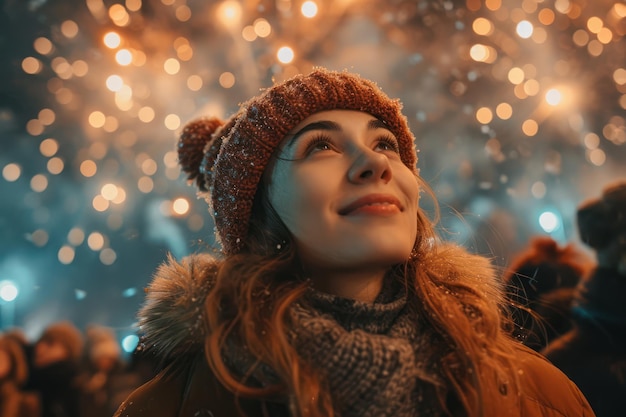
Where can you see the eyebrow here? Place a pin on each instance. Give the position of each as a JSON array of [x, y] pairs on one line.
[[329, 125]]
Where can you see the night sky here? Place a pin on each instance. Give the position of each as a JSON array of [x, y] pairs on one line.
[[518, 109]]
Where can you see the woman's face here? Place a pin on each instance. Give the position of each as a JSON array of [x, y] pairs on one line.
[[342, 190]]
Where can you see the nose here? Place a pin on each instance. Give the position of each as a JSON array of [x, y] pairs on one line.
[[370, 165]]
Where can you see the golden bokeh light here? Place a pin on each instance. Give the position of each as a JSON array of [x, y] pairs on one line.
[[227, 79], [66, 254], [95, 241], [180, 206], [11, 172], [124, 57], [39, 183], [484, 115], [285, 54], [55, 166], [530, 127], [49, 147], [31, 65], [504, 111], [88, 168], [112, 40], [76, 236], [482, 26], [43, 45], [69, 29], [309, 9]]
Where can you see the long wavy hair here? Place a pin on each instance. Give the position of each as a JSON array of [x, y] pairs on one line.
[[254, 290]]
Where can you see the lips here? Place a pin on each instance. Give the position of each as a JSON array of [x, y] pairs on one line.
[[382, 202]]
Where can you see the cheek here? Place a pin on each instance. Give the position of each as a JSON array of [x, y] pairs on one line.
[[298, 200], [284, 196], [410, 187], [294, 205]]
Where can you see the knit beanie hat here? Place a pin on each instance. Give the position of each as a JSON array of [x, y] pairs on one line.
[[226, 159], [603, 219], [67, 334]]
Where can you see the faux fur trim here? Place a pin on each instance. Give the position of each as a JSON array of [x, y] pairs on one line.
[[172, 318], [454, 262]]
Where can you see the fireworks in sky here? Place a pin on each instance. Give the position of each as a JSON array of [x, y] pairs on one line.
[[518, 108]]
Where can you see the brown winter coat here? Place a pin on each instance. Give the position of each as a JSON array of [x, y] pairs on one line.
[[187, 387]]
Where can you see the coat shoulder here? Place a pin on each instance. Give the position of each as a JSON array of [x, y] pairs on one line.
[[188, 387], [546, 390]]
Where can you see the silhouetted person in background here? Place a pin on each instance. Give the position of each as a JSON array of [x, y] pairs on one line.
[[103, 363], [593, 354], [55, 369], [14, 401], [541, 283]]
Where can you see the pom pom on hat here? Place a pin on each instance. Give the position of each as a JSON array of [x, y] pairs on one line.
[[227, 161], [196, 136], [603, 219]]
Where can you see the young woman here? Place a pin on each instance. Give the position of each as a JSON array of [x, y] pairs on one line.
[[332, 295]]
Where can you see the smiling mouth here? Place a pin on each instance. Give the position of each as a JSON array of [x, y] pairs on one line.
[[373, 204], [376, 208]]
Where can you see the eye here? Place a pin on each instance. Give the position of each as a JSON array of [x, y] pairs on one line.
[[388, 143], [318, 144]]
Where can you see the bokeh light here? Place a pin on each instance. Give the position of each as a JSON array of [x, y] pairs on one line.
[[8, 291]]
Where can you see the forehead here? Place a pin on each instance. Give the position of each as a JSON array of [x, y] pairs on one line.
[[338, 115]]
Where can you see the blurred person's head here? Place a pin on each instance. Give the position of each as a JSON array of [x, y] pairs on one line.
[[541, 284], [602, 225], [13, 361], [60, 341], [103, 349]]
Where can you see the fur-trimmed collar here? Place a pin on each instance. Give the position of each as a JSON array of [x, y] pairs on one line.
[[173, 318]]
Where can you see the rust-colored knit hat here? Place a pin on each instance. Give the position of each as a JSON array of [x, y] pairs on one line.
[[226, 159]]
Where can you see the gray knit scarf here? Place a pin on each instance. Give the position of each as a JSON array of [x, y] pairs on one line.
[[373, 356]]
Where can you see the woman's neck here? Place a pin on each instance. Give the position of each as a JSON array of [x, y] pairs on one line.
[[357, 285]]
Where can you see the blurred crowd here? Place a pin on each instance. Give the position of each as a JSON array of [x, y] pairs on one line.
[[566, 303], [569, 305], [67, 372]]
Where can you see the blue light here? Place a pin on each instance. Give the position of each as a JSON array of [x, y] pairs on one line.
[[129, 292], [129, 343], [8, 291], [549, 221]]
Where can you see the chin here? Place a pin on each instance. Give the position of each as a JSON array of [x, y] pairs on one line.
[[394, 249], [388, 256]]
